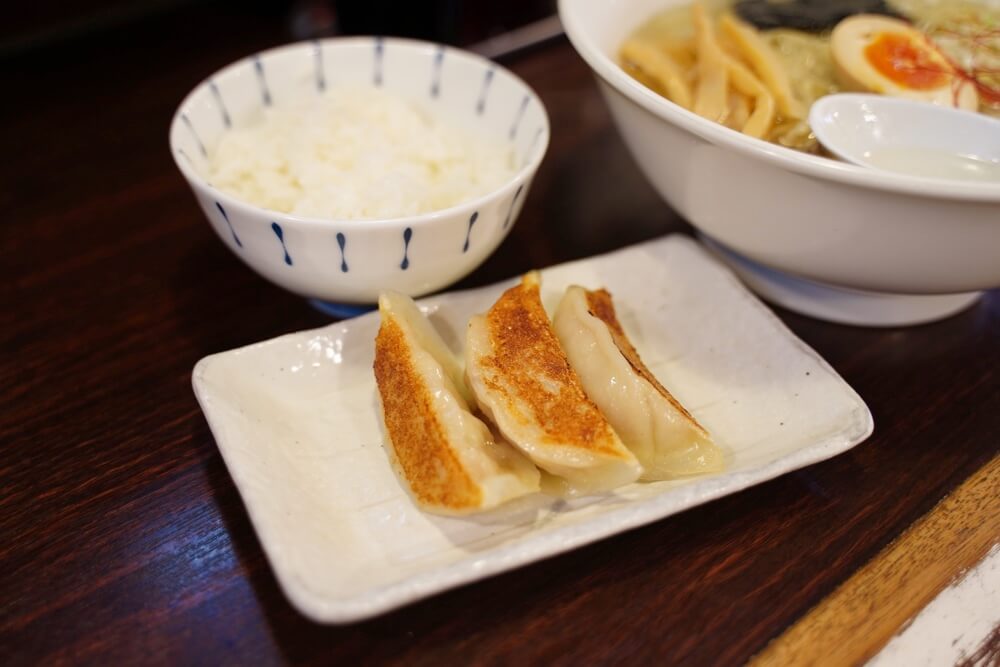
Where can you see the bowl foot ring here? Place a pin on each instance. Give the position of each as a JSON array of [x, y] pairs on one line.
[[342, 311], [839, 304]]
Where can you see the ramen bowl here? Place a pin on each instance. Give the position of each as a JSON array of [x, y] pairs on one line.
[[351, 261], [833, 240]]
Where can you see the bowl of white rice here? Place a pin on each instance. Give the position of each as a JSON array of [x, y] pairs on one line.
[[343, 167]]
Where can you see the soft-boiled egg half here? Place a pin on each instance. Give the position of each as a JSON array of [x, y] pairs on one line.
[[890, 57]]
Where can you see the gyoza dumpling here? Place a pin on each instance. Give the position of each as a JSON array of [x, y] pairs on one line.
[[524, 383], [450, 460], [650, 421]]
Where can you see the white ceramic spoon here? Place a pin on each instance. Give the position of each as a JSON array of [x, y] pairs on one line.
[[907, 136]]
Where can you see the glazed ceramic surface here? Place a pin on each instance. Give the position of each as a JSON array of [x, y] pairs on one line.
[[811, 216], [297, 423], [855, 127], [351, 261]]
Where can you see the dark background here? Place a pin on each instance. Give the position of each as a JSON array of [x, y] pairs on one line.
[[26, 27]]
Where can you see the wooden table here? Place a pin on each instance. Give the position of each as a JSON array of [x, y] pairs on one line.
[[124, 540]]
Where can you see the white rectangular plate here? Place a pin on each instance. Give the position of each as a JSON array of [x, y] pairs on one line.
[[295, 419]]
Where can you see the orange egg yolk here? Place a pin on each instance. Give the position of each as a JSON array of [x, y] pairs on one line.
[[906, 62]]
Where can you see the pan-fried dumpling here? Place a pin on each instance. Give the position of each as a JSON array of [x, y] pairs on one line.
[[451, 461], [523, 382], [650, 421]]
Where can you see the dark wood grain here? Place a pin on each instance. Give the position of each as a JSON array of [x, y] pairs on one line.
[[122, 538], [898, 583]]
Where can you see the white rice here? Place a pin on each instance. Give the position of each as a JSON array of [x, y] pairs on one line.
[[356, 153]]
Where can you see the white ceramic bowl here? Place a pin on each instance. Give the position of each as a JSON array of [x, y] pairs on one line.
[[782, 216], [351, 261]]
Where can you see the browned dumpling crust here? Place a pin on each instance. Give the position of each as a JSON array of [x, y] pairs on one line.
[[449, 458], [600, 305], [419, 442], [523, 381]]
